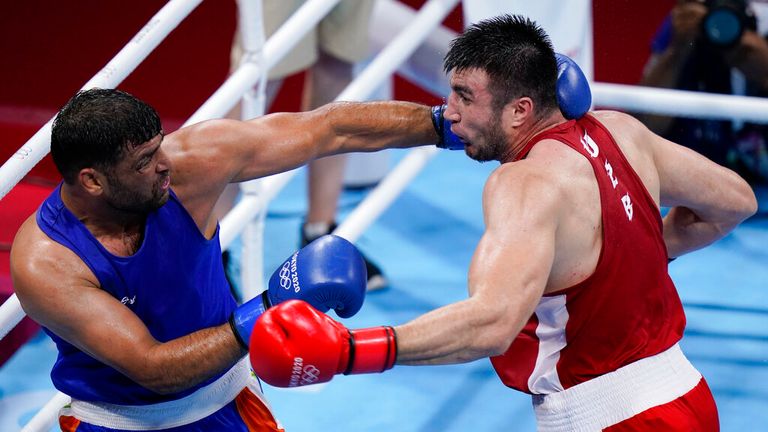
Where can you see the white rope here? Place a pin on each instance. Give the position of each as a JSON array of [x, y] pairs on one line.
[[679, 102], [10, 315], [382, 196], [146, 40], [46, 417]]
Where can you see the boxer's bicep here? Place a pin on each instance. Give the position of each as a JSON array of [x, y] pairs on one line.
[[511, 265], [208, 156]]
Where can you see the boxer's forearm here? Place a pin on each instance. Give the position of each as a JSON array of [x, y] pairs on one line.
[[182, 363], [457, 333], [686, 231], [378, 125]]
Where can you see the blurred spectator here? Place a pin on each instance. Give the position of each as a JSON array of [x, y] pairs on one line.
[[713, 46]]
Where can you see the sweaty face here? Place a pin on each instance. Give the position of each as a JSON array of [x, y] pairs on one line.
[[140, 182], [474, 119]]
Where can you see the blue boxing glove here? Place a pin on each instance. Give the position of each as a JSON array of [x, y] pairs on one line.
[[328, 273], [573, 94], [447, 139]]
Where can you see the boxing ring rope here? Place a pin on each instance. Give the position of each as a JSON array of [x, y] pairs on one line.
[[46, 417], [680, 102], [631, 98]]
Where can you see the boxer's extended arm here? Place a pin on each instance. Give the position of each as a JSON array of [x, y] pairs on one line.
[[57, 290], [208, 155], [507, 276], [277, 143], [707, 200]]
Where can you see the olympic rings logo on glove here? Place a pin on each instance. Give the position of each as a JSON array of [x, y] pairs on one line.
[[285, 275], [310, 375], [289, 276], [303, 375]]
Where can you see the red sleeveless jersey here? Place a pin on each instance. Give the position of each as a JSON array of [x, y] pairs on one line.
[[628, 309]]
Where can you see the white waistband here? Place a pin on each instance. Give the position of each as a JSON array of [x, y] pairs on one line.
[[614, 397], [200, 404]]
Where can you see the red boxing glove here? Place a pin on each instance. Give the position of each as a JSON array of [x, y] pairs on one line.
[[294, 345]]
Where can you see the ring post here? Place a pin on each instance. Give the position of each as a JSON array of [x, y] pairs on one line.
[[252, 105]]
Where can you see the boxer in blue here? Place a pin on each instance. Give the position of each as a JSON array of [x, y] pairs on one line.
[[122, 263]]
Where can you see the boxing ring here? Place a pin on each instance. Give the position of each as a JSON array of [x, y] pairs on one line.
[[468, 387]]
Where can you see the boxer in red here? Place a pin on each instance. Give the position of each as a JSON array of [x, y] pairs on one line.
[[569, 293]]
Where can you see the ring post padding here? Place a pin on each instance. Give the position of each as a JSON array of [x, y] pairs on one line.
[[252, 105]]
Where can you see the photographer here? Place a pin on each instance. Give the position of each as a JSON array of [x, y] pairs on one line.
[[712, 46]]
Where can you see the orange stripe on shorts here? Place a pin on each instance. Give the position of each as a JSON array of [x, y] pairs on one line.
[[68, 423], [254, 413]]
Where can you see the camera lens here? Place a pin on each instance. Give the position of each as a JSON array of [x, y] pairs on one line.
[[723, 26]]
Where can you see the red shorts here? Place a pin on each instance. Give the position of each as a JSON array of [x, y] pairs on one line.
[[694, 411], [663, 392]]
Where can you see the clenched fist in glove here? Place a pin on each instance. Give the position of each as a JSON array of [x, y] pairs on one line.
[[294, 345]]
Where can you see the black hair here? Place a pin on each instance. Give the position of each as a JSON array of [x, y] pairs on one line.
[[95, 128], [516, 54]]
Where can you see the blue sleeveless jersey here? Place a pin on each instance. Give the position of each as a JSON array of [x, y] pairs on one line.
[[174, 283]]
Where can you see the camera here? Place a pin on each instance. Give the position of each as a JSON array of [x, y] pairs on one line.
[[726, 21]]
